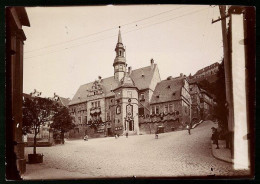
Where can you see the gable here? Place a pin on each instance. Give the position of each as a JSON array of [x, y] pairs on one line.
[[142, 77], [167, 90]]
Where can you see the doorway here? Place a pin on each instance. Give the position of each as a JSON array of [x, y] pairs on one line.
[[131, 125], [109, 132]]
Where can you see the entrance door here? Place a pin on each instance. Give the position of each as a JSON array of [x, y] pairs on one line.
[[131, 125], [109, 132]]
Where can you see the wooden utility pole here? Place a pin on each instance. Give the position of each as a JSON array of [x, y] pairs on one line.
[[227, 66], [228, 75]]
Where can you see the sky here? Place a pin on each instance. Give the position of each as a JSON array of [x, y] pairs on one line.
[[70, 46]]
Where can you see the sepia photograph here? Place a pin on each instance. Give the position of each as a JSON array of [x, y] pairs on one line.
[[130, 91]]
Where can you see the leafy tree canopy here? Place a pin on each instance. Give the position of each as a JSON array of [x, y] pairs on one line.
[[62, 121]]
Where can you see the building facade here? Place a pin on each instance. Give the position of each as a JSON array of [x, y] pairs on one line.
[[195, 99], [206, 105], [16, 18], [114, 105], [131, 101], [207, 71], [169, 107]]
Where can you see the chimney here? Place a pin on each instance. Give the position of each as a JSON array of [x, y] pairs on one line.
[[181, 74], [169, 78], [152, 63], [99, 79], [129, 70]]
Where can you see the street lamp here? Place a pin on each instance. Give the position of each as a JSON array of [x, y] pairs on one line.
[[190, 111]]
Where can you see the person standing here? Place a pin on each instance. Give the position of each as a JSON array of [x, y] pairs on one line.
[[214, 136], [156, 134], [188, 128]]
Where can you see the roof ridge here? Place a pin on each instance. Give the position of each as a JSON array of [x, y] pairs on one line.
[[95, 80], [144, 67]]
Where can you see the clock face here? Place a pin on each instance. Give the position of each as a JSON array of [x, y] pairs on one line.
[[116, 67]]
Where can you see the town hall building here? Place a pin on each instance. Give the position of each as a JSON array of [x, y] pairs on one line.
[[121, 103]]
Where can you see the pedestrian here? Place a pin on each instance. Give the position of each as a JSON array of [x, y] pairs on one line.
[[188, 128], [126, 134], [86, 138], [116, 136], [156, 134], [214, 136]]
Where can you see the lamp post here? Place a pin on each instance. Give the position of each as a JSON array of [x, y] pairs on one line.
[[190, 112]]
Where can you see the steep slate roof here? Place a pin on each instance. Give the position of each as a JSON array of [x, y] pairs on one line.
[[108, 84], [64, 101], [165, 93], [143, 82], [126, 81]]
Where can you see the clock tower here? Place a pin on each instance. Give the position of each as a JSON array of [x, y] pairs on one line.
[[120, 61]]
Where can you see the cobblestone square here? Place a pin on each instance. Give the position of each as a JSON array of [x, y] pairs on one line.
[[173, 154]]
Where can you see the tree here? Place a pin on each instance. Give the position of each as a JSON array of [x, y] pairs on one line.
[[218, 90], [62, 121], [220, 94], [36, 112], [206, 85]]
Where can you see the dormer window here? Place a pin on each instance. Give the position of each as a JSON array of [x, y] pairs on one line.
[[157, 96], [169, 86], [173, 93]]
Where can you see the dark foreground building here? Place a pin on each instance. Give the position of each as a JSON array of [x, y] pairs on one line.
[[16, 18]]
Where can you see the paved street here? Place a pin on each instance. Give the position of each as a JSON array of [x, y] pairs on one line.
[[173, 154]]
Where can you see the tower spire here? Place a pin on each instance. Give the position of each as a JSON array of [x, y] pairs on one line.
[[119, 36], [120, 61]]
